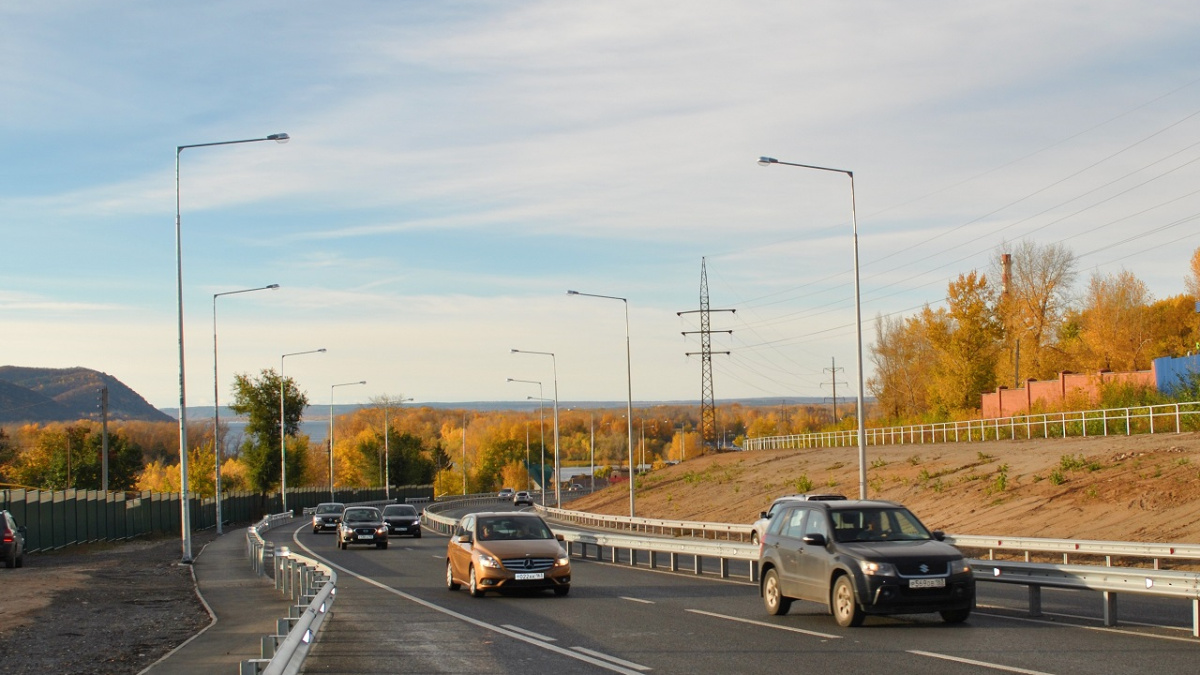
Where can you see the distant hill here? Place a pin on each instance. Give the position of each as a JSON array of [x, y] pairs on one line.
[[66, 395]]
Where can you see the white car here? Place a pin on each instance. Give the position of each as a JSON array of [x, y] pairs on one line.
[[764, 518]]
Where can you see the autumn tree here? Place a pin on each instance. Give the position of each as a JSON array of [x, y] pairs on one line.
[[1192, 280], [965, 339], [1036, 299], [258, 400], [1115, 323], [903, 358]]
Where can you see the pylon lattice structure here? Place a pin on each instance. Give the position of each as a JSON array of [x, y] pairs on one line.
[[708, 407]]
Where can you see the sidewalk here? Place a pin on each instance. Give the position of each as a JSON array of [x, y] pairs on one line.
[[246, 607]]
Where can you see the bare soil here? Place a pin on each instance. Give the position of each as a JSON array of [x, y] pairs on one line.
[[116, 608]]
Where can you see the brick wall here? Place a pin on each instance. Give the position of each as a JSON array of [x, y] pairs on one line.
[[1051, 394]]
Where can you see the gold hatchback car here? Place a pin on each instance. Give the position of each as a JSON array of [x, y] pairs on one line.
[[506, 551]]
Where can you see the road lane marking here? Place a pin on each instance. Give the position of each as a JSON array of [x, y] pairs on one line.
[[766, 625], [578, 656], [644, 602], [522, 631], [982, 664], [619, 662]]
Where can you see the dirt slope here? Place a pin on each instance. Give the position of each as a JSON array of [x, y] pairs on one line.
[[1139, 488]]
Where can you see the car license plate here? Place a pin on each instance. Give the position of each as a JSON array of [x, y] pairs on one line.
[[366, 536], [526, 576], [926, 583]]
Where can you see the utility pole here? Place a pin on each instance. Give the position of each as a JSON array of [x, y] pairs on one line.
[[708, 407], [833, 370]]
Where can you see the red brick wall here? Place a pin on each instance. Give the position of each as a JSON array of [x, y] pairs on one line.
[[1006, 402]]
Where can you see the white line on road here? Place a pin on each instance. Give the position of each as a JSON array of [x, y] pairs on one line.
[[766, 625], [619, 662], [522, 631], [644, 602], [982, 664]]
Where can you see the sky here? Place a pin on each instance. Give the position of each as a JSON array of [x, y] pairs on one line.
[[455, 168]]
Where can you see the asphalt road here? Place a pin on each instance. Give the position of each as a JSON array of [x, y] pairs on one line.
[[394, 614]]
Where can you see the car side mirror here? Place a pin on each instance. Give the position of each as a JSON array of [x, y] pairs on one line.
[[463, 539], [763, 514], [558, 536], [815, 540], [939, 535]]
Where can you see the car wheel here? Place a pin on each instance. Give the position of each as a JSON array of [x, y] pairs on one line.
[[10, 561], [476, 591], [955, 615], [315, 530], [381, 544], [21, 559], [561, 590], [845, 609], [417, 535], [773, 597], [451, 584]]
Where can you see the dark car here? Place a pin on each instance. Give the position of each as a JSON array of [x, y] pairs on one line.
[[506, 551], [402, 519], [859, 558], [12, 541], [522, 497], [362, 525], [327, 516]]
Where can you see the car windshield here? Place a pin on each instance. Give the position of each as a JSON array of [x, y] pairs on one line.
[[399, 510], [360, 515], [498, 528], [877, 524], [330, 508]]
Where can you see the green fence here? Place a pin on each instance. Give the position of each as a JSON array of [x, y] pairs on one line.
[[54, 519]]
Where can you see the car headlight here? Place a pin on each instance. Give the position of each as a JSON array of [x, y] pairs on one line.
[[959, 566], [486, 560], [877, 569], [562, 560]]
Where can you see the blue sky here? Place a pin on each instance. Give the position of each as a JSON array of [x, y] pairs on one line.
[[456, 167]]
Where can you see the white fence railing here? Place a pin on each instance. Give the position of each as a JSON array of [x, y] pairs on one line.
[[1165, 418]]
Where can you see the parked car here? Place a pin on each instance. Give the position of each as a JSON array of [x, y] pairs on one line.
[[859, 558], [505, 493], [764, 518], [522, 498], [327, 516], [12, 541], [362, 525], [506, 551], [402, 519]]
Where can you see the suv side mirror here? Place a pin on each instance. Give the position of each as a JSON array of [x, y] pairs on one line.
[[939, 535], [463, 539], [762, 514], [815, 540]]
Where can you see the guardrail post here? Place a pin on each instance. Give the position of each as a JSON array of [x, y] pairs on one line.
[[1196, 617], [1110, 608], [674, 562]]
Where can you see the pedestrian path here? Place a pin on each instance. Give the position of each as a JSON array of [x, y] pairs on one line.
[[246, 607]]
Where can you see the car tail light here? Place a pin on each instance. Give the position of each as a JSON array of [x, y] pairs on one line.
[[8, 537]]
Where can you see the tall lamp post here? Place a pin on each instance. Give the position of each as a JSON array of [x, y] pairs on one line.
[[862, 435], [185, 516], [217, 448], [283, 427], [629, 383], [554, 365], [331, 388], [542, 434]]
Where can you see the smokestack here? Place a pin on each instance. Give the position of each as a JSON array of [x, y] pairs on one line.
[[1006, 275]]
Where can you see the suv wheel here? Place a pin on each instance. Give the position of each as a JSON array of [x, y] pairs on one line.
[[451, 584], [955, 615], [773, 597], [845, 609]]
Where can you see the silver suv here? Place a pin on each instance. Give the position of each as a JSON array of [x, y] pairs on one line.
[[764, 517]]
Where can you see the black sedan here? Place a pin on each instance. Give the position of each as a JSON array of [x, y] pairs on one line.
[[362, 525], [402, 519]]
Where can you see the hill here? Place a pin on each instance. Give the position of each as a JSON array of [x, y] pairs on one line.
[[1135, 488], [68, 394]]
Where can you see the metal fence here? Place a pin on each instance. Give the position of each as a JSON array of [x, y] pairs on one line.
[[1149, 419], [58, 518]]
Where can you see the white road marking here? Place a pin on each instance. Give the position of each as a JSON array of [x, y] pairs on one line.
[[522, 631], [644, 602], [619, 662], [982, 664], [766, 625]]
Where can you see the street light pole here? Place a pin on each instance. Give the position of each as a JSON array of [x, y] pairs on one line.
[[862, 435], [629, 384], [185, 516], [331, 388], [542, 435], [283, 428], [557, 481], [217, 449]]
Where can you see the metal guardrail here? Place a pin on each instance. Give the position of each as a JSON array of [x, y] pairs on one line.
[[312, 585], [1164, 418], [1077, 547]]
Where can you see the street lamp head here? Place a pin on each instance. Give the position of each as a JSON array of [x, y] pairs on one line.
[[322, 349], [273, 286], [279, 138], [572, 292], [767, 161]]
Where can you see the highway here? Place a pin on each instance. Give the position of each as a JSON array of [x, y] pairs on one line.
[[394, 614]]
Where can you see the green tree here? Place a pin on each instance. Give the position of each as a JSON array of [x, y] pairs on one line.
[[966, 339], [258, 400], [407, 463]]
